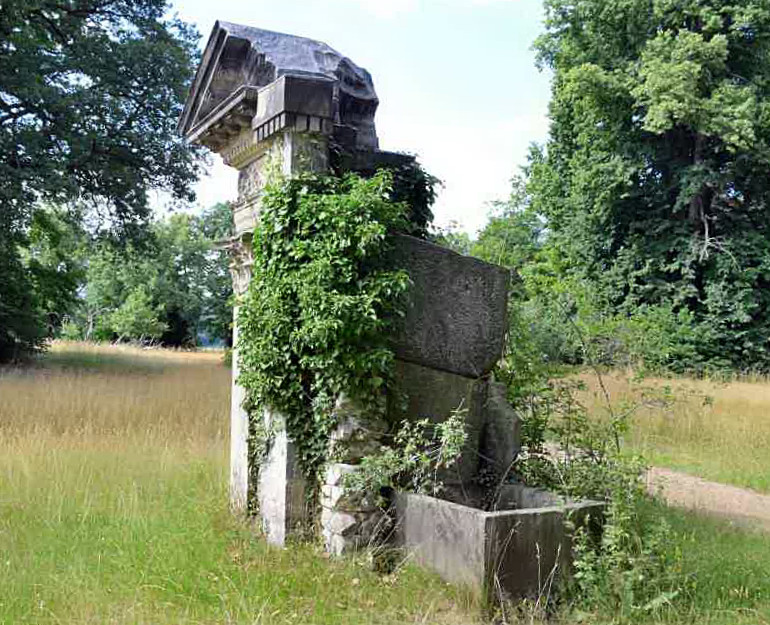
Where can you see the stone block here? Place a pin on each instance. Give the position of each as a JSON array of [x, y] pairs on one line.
[[281, 489], [335, 473], [305, 95], [501, 439], [341, 523], [358, 433], [498, 555], [424, 393], [456, 318]]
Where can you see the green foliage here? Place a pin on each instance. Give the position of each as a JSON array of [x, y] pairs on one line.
[[410, 185], [453, 237], [178, 284], [137, 318], [315, 319], [628, 571], [420, 452], [514, 233], [91, 92], [653, 181], [40, 272]]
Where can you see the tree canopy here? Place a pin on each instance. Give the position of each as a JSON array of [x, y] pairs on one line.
[[654, 179], [90, 91], [171, 290]]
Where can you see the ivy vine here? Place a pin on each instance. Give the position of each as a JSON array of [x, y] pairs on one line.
[[314, 321]]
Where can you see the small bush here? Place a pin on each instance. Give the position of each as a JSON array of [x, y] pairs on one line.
[[419, 453]]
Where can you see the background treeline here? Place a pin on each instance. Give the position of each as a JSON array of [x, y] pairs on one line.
[[171, 286], [90, 95], [643, 223]]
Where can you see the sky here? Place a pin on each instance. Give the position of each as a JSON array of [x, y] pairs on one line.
[[456, 80]]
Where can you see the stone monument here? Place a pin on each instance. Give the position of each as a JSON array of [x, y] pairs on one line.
[[267, 100]]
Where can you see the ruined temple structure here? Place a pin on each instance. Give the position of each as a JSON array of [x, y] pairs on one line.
[[267, 100]]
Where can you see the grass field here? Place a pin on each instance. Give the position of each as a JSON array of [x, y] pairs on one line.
[[113, 508], [716, 430]]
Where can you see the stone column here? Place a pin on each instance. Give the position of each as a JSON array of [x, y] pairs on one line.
[[279, 142]]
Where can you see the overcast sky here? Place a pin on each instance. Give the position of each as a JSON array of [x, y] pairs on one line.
[[456, 81]]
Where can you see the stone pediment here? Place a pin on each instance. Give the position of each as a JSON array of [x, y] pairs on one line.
[[240, 60]]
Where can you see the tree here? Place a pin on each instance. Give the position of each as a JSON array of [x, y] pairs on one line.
[[90, 91], [514, 232], [137, 317], [654, 180], [172, 289], [217, 318]]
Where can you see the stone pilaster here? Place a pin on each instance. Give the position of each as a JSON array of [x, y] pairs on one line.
[[281, 488], [279, 128], [240, 269]]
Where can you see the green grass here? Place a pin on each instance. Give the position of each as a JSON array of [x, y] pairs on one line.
[[724, 575], [730, 569], [113, 509], [139, 536]]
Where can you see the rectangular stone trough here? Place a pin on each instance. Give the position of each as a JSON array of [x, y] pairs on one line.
[[520, 550]]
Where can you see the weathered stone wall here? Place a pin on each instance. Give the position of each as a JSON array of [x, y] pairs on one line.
[[456, 319]]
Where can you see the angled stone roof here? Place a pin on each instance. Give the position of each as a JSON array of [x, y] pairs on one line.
[[238, 56]]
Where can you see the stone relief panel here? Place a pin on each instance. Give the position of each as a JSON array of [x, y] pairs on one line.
[[251, 179], [241, 261]]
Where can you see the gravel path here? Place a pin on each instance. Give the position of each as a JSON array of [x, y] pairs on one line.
[[685, 491]]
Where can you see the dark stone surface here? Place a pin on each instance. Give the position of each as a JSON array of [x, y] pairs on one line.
[[238, 55], [498, 555], [424, 393], [295, 94], [456, 319], [501, 436]]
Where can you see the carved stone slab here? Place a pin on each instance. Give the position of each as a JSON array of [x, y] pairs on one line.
[[456, 319]]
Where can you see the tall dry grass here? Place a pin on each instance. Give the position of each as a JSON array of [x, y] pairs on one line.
[[91, 394], [717, 430], [113, 507]]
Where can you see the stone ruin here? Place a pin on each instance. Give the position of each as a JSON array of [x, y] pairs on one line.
[[265, 100]]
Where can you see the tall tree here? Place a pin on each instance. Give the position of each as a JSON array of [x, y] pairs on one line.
[[172, 289], [90, 91], [654, 179]]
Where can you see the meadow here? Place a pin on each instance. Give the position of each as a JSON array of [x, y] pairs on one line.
[[113, 509], [714, 429]]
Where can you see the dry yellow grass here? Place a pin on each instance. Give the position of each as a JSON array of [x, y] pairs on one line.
[[87, 392], [113, 507], [717, 430]]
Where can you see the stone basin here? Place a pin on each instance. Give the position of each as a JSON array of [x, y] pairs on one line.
[[522, 549]]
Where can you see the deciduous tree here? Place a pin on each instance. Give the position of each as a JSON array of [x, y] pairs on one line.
[[654, 179], [90, 91]]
